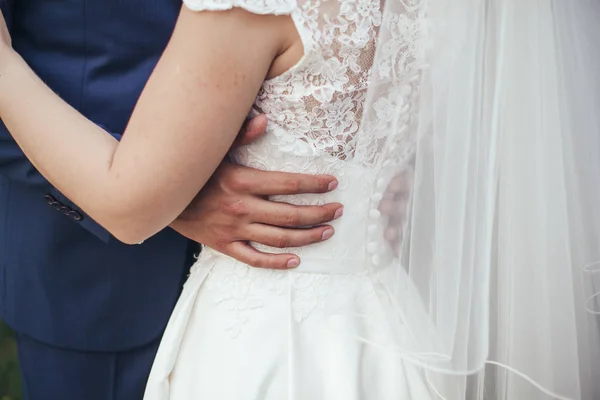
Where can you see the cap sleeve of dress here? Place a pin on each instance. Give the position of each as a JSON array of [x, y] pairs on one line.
[[275, 7]]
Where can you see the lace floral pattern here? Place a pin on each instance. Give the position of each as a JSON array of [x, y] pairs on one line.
[[396, 73], [241, 291], [320, 102]]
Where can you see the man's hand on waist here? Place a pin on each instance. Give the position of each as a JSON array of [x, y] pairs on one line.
[[233, 209]]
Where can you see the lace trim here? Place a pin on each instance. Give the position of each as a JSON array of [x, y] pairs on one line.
[[275, 7]]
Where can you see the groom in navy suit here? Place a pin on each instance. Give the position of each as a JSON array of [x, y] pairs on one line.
[[89, 311]]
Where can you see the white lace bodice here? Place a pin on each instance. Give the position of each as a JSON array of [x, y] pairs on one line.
[[315, 109]]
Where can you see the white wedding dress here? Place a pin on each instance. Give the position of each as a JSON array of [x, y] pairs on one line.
[[239, 333]]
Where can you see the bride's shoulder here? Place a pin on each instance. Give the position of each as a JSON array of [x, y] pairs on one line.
[[276, 7]]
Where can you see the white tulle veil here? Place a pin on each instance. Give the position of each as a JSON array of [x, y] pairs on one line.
[[490, 268]]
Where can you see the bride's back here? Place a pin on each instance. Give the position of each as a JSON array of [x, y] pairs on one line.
[[315, 109]]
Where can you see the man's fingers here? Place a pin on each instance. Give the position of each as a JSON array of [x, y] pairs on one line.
[[394, 208], [401, 183], [292, 216], [270, 183], [252, 130], [247, 254], [281, 238], [387, 207], [391, 235]]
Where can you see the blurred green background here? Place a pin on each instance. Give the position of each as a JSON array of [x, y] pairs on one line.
[[10, 381]]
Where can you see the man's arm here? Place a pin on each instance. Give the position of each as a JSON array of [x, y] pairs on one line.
[[15, 166]]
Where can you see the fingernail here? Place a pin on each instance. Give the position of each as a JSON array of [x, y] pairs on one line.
[[338, 213], [327, 234], [293, 263], [332, 186]]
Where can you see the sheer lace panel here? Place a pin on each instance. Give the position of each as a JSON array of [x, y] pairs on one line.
[[320, 102], [395, 79]]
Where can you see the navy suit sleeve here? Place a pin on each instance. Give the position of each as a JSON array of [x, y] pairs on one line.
[[15, 166]]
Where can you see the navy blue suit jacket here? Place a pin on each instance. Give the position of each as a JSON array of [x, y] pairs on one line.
[[63, 279]]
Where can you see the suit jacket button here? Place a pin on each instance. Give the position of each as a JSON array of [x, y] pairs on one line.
[[49, 199], [75, 215]]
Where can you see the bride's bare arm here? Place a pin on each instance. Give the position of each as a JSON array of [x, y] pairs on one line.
[[184, 123]]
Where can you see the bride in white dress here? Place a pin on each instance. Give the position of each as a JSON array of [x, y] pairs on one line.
[[478, 284], [244, 333]]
